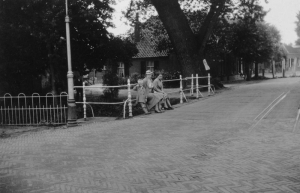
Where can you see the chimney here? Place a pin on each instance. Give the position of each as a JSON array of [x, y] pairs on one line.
[[137, 29]]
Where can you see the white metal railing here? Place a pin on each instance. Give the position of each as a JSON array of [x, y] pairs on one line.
[[84, 102], [211, 90], [24, 110]]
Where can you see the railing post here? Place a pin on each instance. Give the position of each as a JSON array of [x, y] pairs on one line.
[[197, 87], [209, 84], [192, 86], [84, 100], [129, 99]]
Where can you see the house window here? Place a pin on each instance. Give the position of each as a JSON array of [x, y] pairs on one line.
[[150, 66], [121, 70]]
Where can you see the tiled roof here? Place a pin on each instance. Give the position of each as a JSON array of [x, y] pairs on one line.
[[291, 50], [146, 47]]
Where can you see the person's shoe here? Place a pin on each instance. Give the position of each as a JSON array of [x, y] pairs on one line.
[[146, 111], [157, 111]]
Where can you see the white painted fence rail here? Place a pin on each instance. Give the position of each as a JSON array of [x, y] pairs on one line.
[[129, 100], [35, 110]]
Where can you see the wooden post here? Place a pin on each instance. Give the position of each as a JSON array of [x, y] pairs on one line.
[[181, 94], [209, 84], [192, 86], [84, 100], [283, 67], [129, 98], [294, 67], [273, 68], [197, 87]]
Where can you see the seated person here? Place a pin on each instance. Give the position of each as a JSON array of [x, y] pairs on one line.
[[141, 96], [158, 88], [153, 99]]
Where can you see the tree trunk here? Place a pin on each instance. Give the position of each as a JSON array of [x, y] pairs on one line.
[[52, 78], [247, 69], [188, 47], [52, 74], [256, 70]]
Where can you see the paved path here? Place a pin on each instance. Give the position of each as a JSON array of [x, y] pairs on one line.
[[214, 145]]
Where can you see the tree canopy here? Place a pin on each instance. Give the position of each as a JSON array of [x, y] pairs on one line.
[[189, 39], [298, 28], [33, 42]]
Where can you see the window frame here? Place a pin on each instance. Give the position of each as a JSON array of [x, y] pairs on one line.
[[121, 69]]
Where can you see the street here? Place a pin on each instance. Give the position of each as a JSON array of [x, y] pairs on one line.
[[243, 139]]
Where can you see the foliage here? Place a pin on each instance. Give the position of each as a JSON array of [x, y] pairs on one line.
[[298, 28], [259, 42], [194, 22], [122, 80], [134, 77], [33, 43], [239, 30], [110, 79]]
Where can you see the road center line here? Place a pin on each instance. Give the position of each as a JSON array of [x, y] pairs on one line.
[[271, 108], [268, 106]]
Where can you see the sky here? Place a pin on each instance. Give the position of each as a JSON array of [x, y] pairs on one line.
[[118, 20], [282, 14]]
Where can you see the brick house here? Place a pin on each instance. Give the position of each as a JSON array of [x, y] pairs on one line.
[[148, 58]]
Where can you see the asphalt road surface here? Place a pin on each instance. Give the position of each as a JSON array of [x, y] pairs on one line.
[[244, 139]]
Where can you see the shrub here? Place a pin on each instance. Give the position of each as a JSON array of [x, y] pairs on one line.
[[110, 79], [170, 76], [122, 80], [134, 77]]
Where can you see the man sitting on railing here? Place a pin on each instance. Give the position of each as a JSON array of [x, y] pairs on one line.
[[158, 88]]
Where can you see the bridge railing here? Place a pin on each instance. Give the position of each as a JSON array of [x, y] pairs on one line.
[[35, 110]]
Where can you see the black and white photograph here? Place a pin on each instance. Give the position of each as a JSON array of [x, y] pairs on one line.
[[149, 96]]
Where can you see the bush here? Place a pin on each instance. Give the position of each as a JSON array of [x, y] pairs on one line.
[[170, 76], [110, 79], [123, 80], [134, 77], [108, 110]]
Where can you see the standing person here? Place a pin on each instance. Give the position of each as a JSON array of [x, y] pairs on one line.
[[153, 99], [159, 88]]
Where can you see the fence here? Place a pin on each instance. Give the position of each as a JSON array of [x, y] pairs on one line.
[[129, 100], [35, 110]]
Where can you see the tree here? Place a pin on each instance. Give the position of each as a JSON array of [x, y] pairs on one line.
[[33, 40], [255, 43], [268, 47], [189, 45], [298, 28]]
